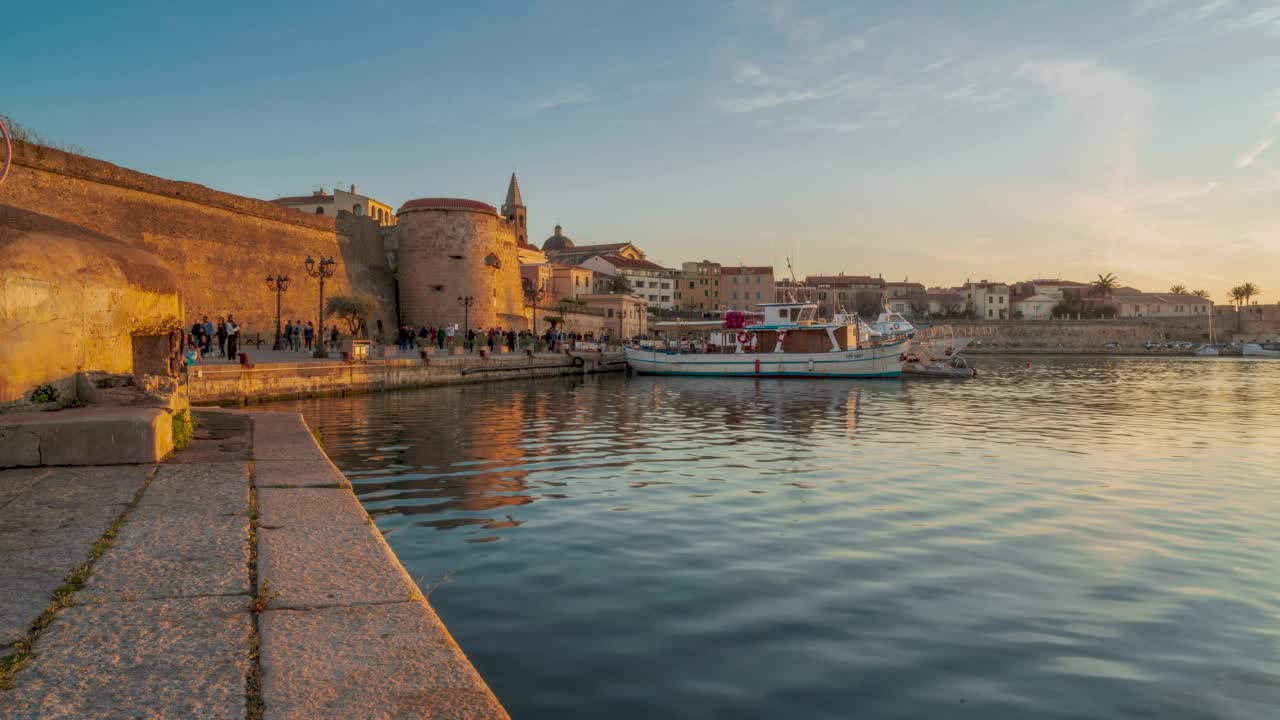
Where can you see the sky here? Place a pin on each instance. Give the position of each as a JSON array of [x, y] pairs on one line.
[[930, 141]]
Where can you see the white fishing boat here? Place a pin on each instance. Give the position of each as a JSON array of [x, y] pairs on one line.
[[938, 341], [787, 342], [1261, 350]]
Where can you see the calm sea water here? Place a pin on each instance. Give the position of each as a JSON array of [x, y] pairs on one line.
[[1081, 538]]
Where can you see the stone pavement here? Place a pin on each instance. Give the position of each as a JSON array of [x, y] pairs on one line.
[[242, 579]]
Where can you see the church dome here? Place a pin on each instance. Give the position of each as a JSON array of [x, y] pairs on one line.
[[557, 242]]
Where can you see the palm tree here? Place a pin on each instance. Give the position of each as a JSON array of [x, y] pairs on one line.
[[1178, 289], [1248, 290], [1105, 284], [1201, 294], [1237, 295]]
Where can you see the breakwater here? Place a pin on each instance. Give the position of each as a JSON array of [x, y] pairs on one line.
[[231, 384]]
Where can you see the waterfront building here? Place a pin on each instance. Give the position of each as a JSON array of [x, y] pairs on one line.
[[698, 286], [862, 294], [322, 203], [746, 286], [625, 315], [987, 300], [1036, 307], [1160, 305], [648, 280], [560, 248]]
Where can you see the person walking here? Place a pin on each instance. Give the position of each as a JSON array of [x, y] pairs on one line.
[[233, 338], [439, 338], [333, 337], [297, 335], [448, 336], [309, 335], [288, 334]]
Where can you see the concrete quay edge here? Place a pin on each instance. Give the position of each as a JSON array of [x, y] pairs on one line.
[[230, 384], [346, 629]]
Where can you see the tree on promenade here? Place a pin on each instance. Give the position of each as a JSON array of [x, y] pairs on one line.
[[1201, 293], [1248, 291], [354, 310], [1178, 289]]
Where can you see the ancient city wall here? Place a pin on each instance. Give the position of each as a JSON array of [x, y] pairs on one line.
[[447, 253], [219, 246]]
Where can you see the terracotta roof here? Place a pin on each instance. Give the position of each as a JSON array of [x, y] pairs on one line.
[[598, 249], [843, 280], [747, 270], [448, 204], [905, 284], [304, 200], [624, 262]]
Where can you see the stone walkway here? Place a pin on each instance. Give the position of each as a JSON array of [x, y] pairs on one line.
[[239, 579]]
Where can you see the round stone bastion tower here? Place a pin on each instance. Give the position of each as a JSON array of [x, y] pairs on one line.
[[450, 249]]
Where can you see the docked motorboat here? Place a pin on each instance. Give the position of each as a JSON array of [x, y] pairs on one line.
[[1262, 350], [955, 368], [787, 341], [938, 340]]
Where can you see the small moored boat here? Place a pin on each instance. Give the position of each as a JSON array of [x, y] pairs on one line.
[[787, 342], [1266, 350]]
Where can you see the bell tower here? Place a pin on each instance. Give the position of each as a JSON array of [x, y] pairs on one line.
[[513, 209]]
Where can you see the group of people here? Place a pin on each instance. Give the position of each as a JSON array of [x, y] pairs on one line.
[[204, 334], [299, 337], [450, 335]]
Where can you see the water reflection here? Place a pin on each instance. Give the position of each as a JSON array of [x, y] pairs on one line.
[[1072, 538]]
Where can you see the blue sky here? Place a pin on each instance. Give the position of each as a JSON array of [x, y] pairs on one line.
[[932, 140]]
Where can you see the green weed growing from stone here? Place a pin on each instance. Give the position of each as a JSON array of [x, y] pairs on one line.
[[183, 429]]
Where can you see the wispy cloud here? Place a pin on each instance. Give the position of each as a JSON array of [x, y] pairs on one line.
[[570, 95], [1251, 155]]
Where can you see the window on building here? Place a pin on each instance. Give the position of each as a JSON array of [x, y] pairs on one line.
[[666, 298], [357, 210], [319, 211], [991, 313], [610, 312]]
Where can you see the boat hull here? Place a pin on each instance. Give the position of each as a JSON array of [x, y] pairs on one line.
[[879, 362], [1256, 350]]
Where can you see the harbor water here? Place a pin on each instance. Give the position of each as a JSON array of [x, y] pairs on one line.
[[1069, 538]]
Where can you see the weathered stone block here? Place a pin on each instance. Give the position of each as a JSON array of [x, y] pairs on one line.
[[182, 658], [372, 661], [89, 436], [313, 566], [308, 507], [159, 555]]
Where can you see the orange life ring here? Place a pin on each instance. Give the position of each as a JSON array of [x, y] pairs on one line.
[[743, 338]]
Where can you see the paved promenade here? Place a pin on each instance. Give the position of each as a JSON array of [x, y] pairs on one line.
[[239, 579]]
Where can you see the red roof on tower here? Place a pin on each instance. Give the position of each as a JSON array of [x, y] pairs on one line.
[[448, 204]]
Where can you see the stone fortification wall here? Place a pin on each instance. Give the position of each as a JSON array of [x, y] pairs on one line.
[[1082, 335], [219, 246], [1251, 323], [451, 252], [72, 300]]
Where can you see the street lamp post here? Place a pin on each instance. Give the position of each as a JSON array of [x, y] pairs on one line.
[[324, 269], [278, 284], [538, 294], [466, 303]]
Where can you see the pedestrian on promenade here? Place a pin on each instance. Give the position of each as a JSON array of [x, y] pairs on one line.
[[288, 334], [449, 332], [439, 338], [309, 335], [333, 337], [297, 335], [222, 336], [208, 336], [233, 338]]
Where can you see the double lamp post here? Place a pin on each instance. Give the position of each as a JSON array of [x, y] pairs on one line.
[[280, 284]]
